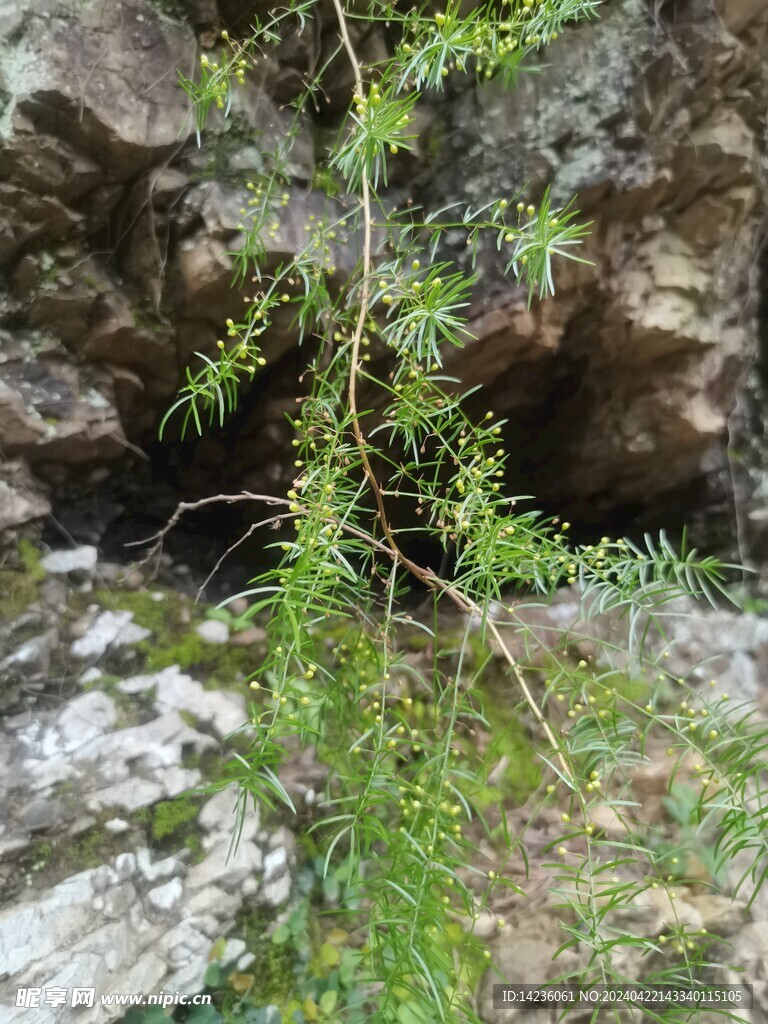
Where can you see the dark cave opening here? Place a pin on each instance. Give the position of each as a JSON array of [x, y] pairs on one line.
[[124, 504], [125, 507]]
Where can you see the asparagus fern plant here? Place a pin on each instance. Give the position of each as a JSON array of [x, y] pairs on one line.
[[400, 805]]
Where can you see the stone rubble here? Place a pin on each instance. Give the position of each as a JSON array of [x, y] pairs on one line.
[[142, 921], [145, 920], [136, 923], [121, 928]]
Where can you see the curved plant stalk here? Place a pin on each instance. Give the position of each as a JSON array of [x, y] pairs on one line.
[[400, 805]]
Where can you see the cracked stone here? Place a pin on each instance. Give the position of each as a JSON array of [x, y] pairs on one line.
[[275, 863], [86, 717], [161, 869], [166, 897], [110, 630]]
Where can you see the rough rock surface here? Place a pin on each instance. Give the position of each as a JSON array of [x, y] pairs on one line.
[[140, 922], [113, 239], [115, 230], [93, 892], [105, 881], [619, 388]]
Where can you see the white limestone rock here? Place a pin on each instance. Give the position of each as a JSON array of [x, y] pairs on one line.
[[91, 675], [34, 655], [213, 631], [275, 863], [233, 950], [82, 559], [143, 743], [188, 940], [32, 931], [39, 775], [42, 814], [221, 869], [110, 630], [276, 892], [166, 897], [130, 795], [178, 780], [218, 815], [166, 868], [116, 826], [174, 691], [151, 680], [213, 900], [86, 717]]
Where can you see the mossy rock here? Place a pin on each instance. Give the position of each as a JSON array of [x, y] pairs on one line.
[[52, 860], [173, 642], [171, 822], [273, 966], [20, 582], [170, 10]]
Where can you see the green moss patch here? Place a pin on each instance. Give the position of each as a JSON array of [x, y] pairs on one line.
[[218, 665], [171, 822], [52, 860], [20, 582], [173, 642], [522, 775], [273, 967], [29, 556]]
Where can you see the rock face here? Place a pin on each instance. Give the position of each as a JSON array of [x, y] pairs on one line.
[[139, 922], [116, 227], [118, 872], [619, 388], [112, 241]]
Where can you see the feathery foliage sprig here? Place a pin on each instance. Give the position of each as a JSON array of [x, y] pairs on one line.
[[404, 802]]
